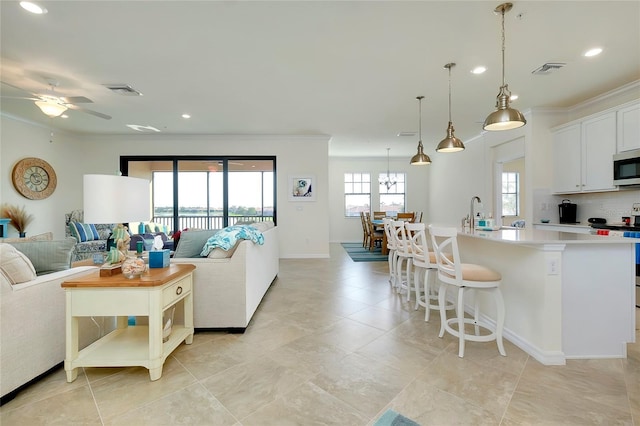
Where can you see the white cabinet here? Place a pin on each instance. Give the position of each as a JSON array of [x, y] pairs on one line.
[[628, 137], [566, 159], [583, 155]]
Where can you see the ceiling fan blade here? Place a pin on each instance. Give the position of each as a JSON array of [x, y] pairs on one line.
[[76, 100], [88, 111], [20, 97], [17, 88]]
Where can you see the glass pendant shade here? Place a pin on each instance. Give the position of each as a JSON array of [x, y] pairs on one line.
[[420, 159], [52, 109], [450, 143], [504, 117]]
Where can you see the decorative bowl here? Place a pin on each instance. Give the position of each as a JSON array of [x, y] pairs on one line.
[[133, 267]]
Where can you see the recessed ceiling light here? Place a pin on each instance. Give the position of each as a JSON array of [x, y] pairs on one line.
[[513, 97], [64, 116], [33, 8], [186, 116], [593, 52], [478, 70]]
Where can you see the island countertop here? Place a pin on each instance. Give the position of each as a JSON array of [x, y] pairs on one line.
[[526, 236]]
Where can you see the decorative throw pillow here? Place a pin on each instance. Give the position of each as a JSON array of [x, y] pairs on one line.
[[78, 231], [47, 256], [15, 266], [192, 241]]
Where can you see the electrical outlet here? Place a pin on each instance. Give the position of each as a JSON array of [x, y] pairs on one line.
[[553, 267]]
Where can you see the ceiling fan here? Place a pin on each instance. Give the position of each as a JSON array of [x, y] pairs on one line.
[[53, 105]]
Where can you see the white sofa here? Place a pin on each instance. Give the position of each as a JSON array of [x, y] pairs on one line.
[[32, 327], [227, 291]]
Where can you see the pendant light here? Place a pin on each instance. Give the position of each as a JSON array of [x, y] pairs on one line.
[[450, 143], [420, 159], [387, 181], [504, 118]]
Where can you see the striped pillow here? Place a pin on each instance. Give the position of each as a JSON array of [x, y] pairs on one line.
[[77, 231]]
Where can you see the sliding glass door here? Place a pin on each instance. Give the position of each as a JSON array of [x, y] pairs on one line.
[[207, 192]]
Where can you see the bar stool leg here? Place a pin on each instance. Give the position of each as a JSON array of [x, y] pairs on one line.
[[442, 293], [499, 320], [476, 312], [461, 321]]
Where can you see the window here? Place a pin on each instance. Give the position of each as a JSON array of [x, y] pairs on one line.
[[510, 194], [392, 199], [357, 193], [207, 192]]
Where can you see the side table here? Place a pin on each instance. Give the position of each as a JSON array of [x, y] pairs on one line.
[[149, 295]]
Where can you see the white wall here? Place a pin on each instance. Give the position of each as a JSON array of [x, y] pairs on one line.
[[349, 229], [304, 226]]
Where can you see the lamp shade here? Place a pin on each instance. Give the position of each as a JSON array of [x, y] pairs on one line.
[[115, 199], [52, 109]]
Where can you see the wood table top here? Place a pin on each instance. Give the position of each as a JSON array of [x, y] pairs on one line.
[[152, 277]]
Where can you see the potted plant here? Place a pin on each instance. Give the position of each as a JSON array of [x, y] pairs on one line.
[[19, 217]]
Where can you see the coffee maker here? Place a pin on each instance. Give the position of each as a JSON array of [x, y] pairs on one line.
[[568, 211]]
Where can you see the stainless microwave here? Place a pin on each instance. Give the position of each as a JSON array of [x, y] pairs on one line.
[[626, 168]]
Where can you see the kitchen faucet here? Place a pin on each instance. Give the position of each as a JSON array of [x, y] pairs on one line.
[[472, 216]]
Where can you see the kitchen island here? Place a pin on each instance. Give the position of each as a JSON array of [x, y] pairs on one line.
[[566, 295]]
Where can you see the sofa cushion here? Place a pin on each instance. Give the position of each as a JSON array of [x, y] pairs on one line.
[[192, 241], [219, 253], [48, 256], [15, 266]]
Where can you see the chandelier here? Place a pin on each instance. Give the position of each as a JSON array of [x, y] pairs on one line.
[[387, 180]]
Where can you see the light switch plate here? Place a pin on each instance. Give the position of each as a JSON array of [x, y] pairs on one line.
[[636, 208]]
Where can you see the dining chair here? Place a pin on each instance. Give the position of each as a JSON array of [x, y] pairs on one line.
[[407, 216], [379, 215], [375, 235], [417, 217], [466, 278], [365, 230]]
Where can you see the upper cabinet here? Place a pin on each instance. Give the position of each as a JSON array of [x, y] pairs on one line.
[[629, 127], [583, 154]]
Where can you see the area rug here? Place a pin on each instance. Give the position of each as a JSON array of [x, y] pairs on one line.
[[361, 254], [391, 418]]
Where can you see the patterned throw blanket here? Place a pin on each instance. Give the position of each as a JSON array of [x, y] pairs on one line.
[[227, 237]]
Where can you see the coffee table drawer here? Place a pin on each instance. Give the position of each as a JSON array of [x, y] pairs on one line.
[[176, 291]]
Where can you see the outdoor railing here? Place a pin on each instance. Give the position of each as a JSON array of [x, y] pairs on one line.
[[206, 222]]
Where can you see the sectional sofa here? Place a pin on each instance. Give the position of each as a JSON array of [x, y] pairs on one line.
[[229, 286]]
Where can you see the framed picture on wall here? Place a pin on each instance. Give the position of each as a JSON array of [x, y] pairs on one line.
[[302, 188]]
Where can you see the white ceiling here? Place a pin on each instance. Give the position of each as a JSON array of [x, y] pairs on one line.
[[348, 69]]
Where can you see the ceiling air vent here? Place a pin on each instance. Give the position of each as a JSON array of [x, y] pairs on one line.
[[406, 134], [548, 68], [122, 89]]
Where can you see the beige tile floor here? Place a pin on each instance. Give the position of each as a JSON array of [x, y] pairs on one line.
[[332, 345]]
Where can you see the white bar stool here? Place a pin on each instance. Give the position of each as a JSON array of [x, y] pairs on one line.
[[465, 277], [391, 246], [424, 263]]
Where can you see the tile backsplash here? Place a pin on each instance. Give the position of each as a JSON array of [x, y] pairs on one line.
[[609, 205]]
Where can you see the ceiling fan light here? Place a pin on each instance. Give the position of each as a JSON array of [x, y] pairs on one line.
[[51, 109], [450, 143], [420, 159]]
